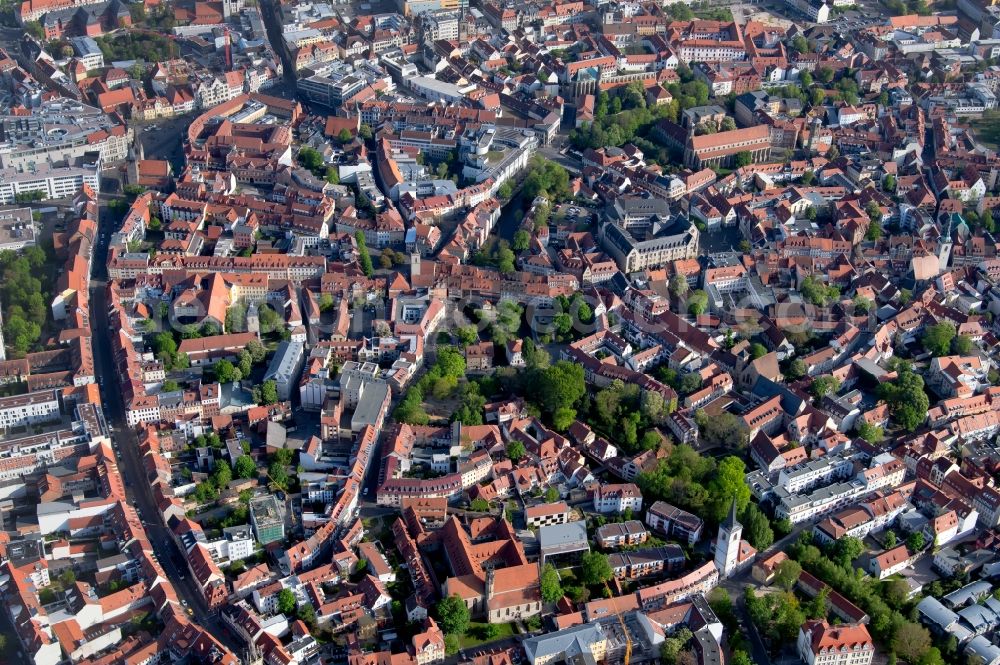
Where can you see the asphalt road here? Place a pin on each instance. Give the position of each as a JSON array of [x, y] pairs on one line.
[[129, 463]]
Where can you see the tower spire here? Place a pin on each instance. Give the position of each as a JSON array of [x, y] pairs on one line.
[[727, 544], [731, 519]]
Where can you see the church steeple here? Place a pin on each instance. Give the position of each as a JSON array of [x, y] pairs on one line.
[[727, 545], [731, 522]]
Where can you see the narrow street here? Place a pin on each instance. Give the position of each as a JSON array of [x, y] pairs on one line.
[[129, 463], [269, 14]]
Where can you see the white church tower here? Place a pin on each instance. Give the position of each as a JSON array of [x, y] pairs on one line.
[[727, 547]]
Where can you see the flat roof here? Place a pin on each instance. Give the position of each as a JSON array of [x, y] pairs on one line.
[[560, 536]]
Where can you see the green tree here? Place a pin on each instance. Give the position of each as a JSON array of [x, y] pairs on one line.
[[205, 492], [818, 293], [689, 383], [728, 485], [796, 369], [547, 178], [245, 467], [906, 399], [268, 392], [35, 29], [307, 614], [269, 319], [410, 410], [245, 364], [551, 494], [744, 158], [282, 456], [987, 220], [870, 433], [236, 318], [505, 191], [450, 361], [915, 541], [311, 159], [874, 231], [962, 345], [224, 371], [286, 602], [344, 136], [365, 132], [672, 646], [364, 258], [678, 286], [505, 260], [725, 430], [522, 240], [722, 605], [825, 385], [847, 549], [911, 641], [562, 418], [679, 11], [651, 440], [551, 588], [757, 350], [515, 451], [453, 615], [257, 350], [933, 655], [558, 386], [654, 408], [757, 527], [222, 475], [163, 343], [480, 506], [278, 474], [874, 212], [937, 338], [470, 412], [786, 574], [697, 303], [890, 539], [466, 335], [629, 430], [896, 592], [595, 568]]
